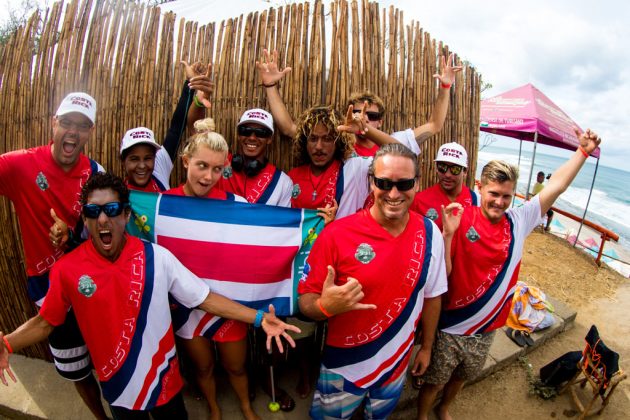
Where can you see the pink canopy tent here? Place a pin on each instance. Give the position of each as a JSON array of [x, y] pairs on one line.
[[527, 114]]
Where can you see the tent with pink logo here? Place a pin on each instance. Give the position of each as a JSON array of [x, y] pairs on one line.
[[525, 113]]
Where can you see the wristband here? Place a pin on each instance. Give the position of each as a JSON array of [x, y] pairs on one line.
[[581, 149], [197, 102], [268, 86], [6, 344], [259, 318], [321, 308], [445, 86]]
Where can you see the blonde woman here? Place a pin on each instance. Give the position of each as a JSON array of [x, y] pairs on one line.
[[204, 158]]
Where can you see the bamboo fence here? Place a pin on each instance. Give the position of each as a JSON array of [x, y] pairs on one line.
[[127, 56]]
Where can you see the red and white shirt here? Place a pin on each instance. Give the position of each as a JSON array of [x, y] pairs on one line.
[[122, 309], [270, 186], [35, 183], [486, 260], [396, 274], [429, 202]]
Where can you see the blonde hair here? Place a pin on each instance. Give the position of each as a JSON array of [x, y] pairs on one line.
[[205, 136], [500, 172], [366, 95]]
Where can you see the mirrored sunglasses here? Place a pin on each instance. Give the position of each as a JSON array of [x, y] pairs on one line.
[[401, 185], [371, 115], [113, 209], [443, 167], [260, 132]]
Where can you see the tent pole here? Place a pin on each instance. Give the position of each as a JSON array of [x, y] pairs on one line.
[[518, 165], [531, 170], [587, 203]]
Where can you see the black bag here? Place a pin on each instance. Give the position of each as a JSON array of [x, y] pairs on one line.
[[560, 370]]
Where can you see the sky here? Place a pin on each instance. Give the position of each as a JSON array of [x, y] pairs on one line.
[[573, 51]]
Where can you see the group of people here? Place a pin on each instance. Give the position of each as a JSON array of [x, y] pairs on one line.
[[392, 266]]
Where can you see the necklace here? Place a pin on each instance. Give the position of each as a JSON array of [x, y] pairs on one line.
[[319, 181]]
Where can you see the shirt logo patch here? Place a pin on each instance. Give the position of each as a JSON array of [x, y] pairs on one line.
[[472, 235], [86, 286], [364, 253], [227, 172], [432, 214], [41, 181], [296, 191]]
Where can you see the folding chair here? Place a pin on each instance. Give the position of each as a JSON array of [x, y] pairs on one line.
[[599, 367]]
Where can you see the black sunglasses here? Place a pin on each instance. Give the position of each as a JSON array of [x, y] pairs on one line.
[[371, 115], [113, 209], [401, 185], [443, 167], [260, 132]]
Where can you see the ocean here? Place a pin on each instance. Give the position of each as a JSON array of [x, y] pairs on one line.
[[610, 201]]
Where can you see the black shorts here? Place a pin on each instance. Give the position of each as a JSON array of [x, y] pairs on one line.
[[72, 359]]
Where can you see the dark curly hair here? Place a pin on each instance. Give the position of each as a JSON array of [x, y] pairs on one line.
[[104, 181], [326, 115]]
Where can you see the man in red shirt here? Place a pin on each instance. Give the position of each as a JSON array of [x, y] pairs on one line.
[[374, 275], [451, 165], [119, 288], [375, 111], [47, 180], [484, 246]]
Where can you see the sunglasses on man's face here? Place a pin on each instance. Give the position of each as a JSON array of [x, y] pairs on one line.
[[401, 185], [443, 167], [371, 115], [260, 132], [113, 209]]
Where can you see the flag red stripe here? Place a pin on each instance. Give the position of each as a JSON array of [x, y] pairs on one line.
[[233, 262]]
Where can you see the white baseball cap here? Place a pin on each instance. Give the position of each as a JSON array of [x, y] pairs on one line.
[[452, 153], [78, 102], [258, 116], [138, 135]]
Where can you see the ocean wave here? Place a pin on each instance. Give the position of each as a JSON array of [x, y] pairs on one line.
[[601, 204]]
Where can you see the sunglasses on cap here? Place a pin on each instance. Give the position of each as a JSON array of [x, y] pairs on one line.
[[113, 209], [401, 185], [260, 132], [371, 115], [443, 167]]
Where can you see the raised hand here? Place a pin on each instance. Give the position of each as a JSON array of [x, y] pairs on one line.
[[268, 70], [58, 233], [451, 217], [447, 77], [4, 363], [275, 328], [199, 79], [329, 212], [339, 299], [355, 123], [589, 140]]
